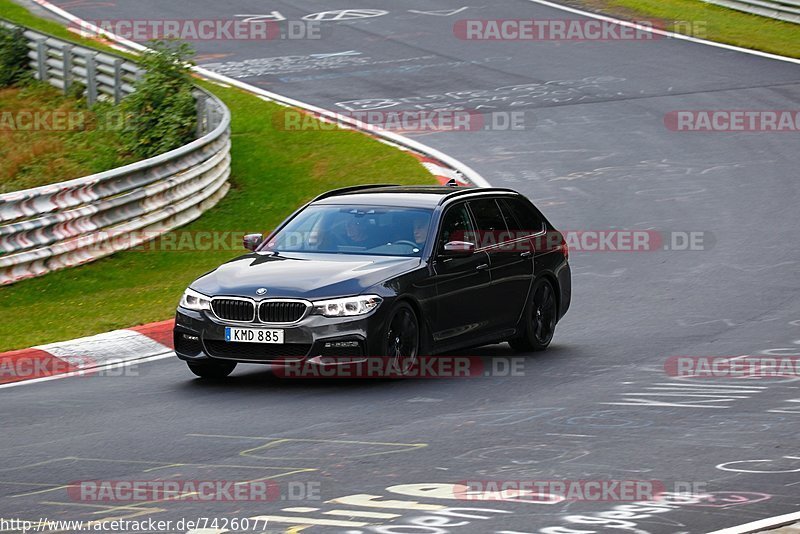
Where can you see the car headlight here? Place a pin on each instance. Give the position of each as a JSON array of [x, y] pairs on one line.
[[348, 306], [193, 300]]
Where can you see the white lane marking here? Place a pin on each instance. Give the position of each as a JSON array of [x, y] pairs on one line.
[[170, 354], [725, 466], [439, 13], [346, 14], [336, 54], [761, 524], [664, 33], [275, 16]]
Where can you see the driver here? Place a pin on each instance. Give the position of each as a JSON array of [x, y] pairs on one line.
[[358, 232]]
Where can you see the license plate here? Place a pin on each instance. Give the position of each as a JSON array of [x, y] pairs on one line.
[[253, 335]]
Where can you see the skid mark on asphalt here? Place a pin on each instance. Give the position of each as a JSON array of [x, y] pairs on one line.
[[508, 416], [684, 395]]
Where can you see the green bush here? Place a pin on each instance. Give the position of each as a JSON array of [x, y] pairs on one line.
[[13, 56], [161, 115]]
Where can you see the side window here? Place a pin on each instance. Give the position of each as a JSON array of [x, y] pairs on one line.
[[456, 226], [521, 218], [491, 224]]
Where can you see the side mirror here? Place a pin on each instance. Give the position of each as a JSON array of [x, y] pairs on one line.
[[252, 241], [457, 248]]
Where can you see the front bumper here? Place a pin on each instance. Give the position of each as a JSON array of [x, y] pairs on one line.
[[200, 336]]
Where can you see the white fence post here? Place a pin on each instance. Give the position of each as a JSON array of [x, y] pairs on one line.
[[91, 79], [66, 52], [117, 81], [41, 59]]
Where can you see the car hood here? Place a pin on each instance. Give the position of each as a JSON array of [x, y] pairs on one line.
[[309, 276]]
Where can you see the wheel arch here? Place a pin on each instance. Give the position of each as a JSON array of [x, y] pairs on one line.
[[427, 339], [553, 279]]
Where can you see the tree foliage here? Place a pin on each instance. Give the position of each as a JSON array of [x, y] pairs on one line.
[[160, 115]]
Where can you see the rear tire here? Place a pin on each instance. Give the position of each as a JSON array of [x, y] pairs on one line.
[[212, 370], [539, 320]]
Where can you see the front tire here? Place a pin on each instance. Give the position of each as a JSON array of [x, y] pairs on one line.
[[212, 370], [401, 340], [539, 320]]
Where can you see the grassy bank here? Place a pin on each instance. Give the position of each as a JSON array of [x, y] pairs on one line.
[[65, 145], [273, 172], [715, 23]]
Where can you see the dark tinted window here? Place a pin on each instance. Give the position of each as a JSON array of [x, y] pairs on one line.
[[456, 226], [488, 216], [521, 217]]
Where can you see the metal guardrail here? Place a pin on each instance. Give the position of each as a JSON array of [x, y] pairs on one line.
[[71, 223], [785, 10]]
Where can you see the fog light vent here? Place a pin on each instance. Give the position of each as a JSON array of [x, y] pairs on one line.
[[341, 344]]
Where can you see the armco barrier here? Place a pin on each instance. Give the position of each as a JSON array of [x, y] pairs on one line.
[[430, 157], [786, 10], [70, 223]]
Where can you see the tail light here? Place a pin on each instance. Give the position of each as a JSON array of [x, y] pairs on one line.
[[565, 249]]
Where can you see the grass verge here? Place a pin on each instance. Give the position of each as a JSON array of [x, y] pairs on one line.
[[273, 172], [707, 21], [66, 146]]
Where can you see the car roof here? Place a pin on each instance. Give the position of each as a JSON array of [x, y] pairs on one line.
[[416, 196]]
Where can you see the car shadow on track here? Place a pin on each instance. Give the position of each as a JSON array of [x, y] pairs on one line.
[[491, 362]]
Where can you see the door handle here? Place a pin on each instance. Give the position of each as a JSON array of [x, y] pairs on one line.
[[482, 267], [526, 254]]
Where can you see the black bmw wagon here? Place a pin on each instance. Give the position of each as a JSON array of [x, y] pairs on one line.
[[381, 270]]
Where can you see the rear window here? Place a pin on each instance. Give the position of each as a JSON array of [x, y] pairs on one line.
[[521, 217]]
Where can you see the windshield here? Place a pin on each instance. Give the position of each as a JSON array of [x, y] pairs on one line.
[[340, 229]]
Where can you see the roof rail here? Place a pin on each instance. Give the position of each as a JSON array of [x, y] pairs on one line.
[[474, 191], [351, 189]]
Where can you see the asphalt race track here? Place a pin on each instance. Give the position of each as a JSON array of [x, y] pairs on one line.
[[596, 155]]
